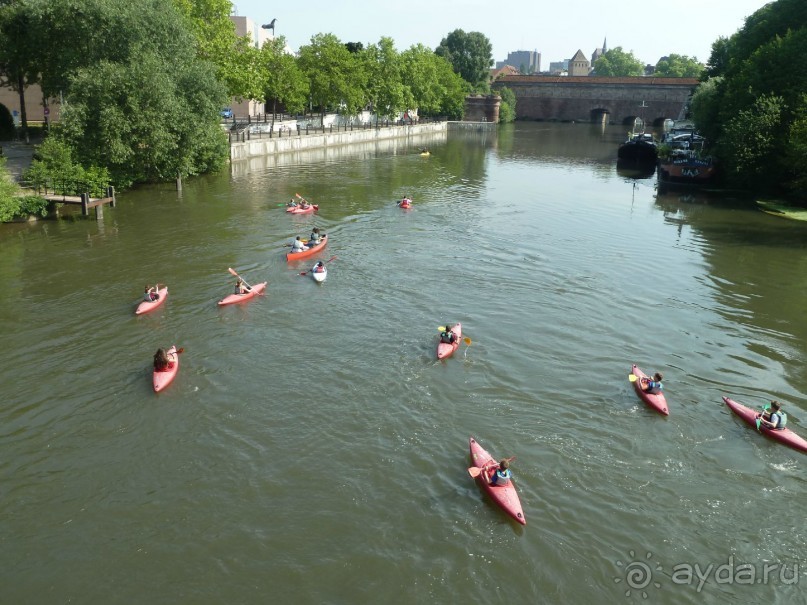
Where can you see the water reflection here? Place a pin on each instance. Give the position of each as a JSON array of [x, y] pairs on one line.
[[631, 169]]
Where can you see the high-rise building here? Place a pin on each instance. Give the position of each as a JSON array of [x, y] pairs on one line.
[[525, 61]]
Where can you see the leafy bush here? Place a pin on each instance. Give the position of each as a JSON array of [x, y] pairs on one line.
[[53, 168], [12, 204], [32, 204], [507, 110]]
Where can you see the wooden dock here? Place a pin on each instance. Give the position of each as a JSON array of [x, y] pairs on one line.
[[85, 201]]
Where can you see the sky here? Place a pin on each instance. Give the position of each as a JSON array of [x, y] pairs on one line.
[[650, 29]]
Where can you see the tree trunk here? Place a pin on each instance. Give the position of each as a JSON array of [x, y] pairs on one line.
[[23, 113]]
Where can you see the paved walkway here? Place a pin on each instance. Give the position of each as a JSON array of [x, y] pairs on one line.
[[18, 156]]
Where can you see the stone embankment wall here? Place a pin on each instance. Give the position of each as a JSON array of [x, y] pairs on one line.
[[263, 146]]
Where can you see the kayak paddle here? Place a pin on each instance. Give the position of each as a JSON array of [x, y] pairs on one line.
[[231, 270], [325, 263], [475, 471], [759, 418]]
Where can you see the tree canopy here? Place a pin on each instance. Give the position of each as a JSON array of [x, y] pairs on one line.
[[752, 103], [284, 80], [616, 62], [143, 81], [679, 66], [471, 56]]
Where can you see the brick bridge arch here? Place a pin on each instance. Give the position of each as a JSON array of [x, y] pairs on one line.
[[597, 98]]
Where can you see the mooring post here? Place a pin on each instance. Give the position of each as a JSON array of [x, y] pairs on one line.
[[110, 192], [85, 200], [179, 182]]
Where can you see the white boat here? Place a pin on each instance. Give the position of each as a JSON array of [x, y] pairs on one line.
[[319, 276]]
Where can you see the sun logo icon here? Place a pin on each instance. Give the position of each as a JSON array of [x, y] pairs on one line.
[[638, 574]]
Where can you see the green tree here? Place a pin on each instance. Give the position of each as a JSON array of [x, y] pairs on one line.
[[751, 145], [246, 76], [335, 75], [705, 107], [453, 90], [419, 72], [17, 47], [146, 121], [54, 168], [471, 56], [216, 42], [719, 59], [385, 88], [284, 80], [616, 62], [507, 110], [679, 66], [84, 34], [797, 151]]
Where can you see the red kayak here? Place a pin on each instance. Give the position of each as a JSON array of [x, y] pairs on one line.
[[301, 210], [237, 298], [146, 306], [784, 435], [446, 350], [162, 379], [654, 400], [505, 496], [308, 253]]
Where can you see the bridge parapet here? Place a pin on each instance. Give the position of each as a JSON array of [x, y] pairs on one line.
[[596, 98]]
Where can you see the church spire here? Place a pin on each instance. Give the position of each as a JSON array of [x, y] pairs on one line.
[[604, 46]]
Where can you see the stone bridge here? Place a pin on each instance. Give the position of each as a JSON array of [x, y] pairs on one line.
[[598, 99]]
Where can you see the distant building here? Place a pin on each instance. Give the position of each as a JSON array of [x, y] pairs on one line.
[[579, 65], [526, 61], [245, 25], [598, 52], [558, 67], [504, 70]]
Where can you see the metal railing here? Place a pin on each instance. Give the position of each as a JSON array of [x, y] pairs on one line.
[[243, 130]]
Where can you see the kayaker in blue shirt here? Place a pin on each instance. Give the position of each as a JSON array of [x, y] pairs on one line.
[[292, 203], [447, 336], [315, 238], [774, 418], [653, 386], [502, 474]]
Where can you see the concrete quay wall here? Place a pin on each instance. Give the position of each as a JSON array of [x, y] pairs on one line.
[[264, 146]]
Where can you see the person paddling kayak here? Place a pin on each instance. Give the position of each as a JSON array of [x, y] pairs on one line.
[[774, 418], [150, 293], [447, 336], [502, 475], [241, 287], [653, 386], [315, 238], [163, 361], [298, 246]]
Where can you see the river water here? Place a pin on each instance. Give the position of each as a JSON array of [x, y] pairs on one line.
[[312, 449]]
